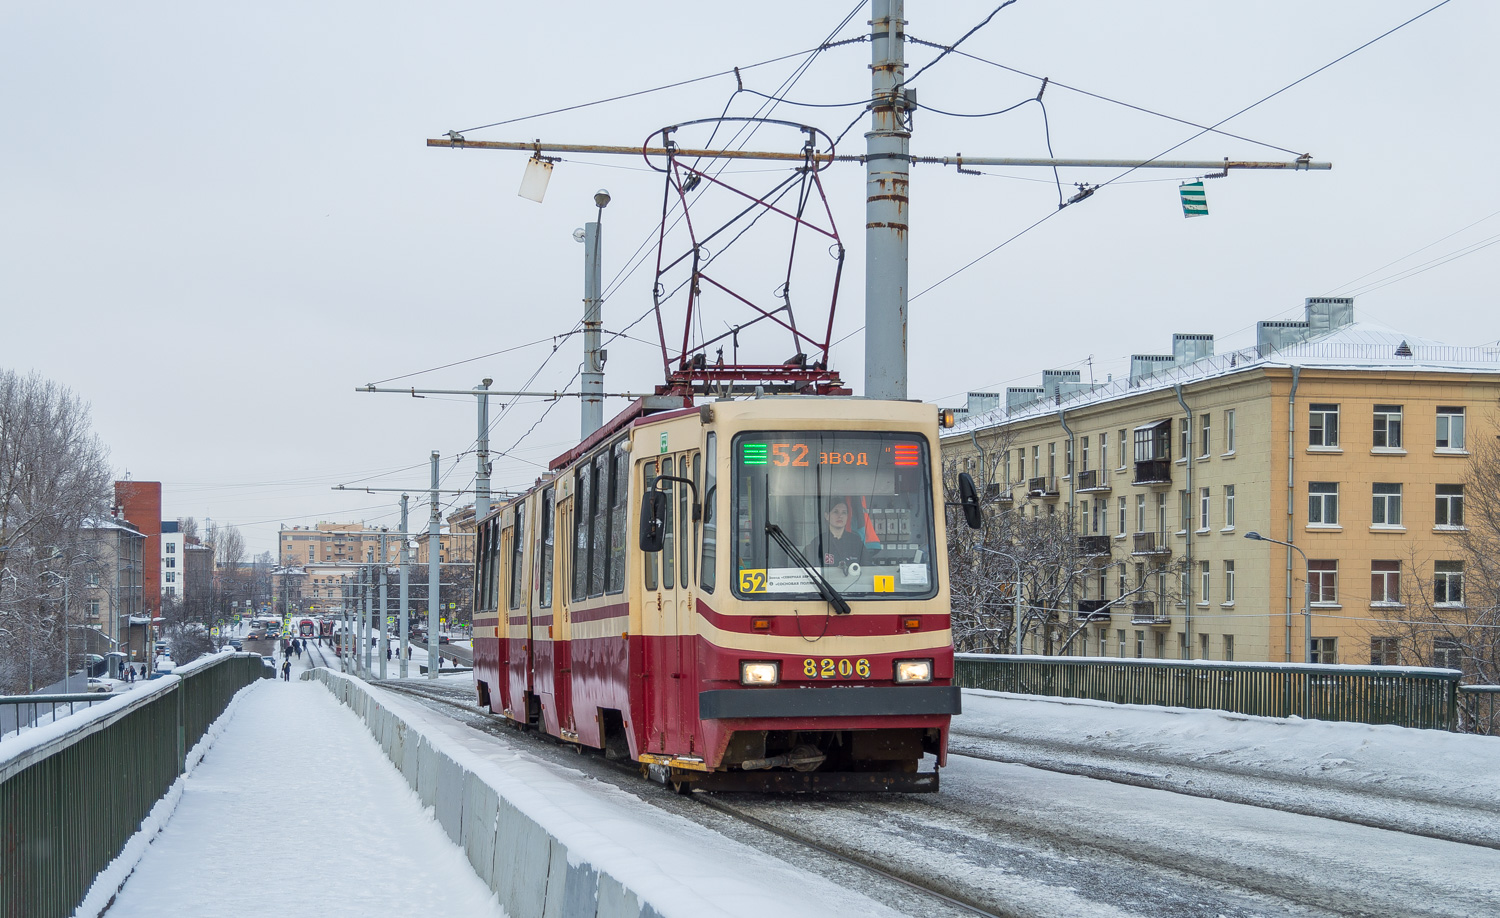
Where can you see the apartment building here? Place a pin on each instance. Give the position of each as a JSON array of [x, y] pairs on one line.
[[1345, 439]]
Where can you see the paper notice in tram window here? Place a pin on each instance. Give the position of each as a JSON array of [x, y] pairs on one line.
[[789, 580], [913, 575]]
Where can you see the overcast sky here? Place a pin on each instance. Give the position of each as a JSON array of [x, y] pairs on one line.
[[216, 221]]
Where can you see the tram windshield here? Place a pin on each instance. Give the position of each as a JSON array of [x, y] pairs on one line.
[[858, 507]]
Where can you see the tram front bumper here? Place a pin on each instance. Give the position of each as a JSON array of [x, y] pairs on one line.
[[852, 701]]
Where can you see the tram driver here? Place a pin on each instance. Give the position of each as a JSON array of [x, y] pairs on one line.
[[836, 545]]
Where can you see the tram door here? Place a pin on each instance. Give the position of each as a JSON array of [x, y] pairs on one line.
[[669, 573], [552, 684]]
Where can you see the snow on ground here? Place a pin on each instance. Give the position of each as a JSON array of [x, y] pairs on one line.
[[1423, 764], [295, 811]]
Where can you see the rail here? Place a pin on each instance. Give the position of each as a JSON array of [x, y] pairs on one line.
[[74, 791], [1400, 695], [1479, 709], [20, 712]]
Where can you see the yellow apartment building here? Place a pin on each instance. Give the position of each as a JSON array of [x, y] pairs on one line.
[[1346, 440]]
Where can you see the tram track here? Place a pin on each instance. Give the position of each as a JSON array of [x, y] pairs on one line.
[[984, 848], [1296, 794]]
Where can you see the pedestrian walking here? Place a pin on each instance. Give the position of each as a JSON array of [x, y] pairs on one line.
[[387, 650], [286, 670]]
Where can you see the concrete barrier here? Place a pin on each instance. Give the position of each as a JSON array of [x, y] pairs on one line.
[[530, 870]]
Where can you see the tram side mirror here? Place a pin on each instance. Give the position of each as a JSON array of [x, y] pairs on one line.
[[654, 508], [968, 501]]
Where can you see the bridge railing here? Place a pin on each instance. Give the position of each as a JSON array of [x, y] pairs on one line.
[[1402, 695], [73, 791], [1479, 709]]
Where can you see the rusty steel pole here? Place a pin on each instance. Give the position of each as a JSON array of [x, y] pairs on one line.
[[887, 172]]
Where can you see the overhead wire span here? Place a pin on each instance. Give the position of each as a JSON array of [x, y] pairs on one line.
[[1085, 191]]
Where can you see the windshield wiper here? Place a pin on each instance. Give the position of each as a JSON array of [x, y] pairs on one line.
[[825, 589]]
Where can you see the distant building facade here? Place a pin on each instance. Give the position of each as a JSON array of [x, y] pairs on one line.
[[1348, 440], [113, 597], [140, 505]]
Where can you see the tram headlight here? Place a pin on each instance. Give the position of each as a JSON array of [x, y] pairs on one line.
[[913, 670], [759, 672]]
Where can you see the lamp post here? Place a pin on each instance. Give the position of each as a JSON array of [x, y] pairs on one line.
[[592, 416], [1306, 592], [1017, 598]]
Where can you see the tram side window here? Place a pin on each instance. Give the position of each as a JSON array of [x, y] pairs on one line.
[[648, 559], [669, 544], [581, 494], [545, 544], [689, 526], [710, 523], [481, 570], [492, 567], [614, 575], [517, 548], [600, 524]]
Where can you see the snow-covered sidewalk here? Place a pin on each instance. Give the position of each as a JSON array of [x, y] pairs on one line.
[[295, 811]]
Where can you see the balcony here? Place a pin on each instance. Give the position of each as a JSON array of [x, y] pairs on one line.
[[1153, 472], [1093, 610], [1093, 480], [1147, 613], [997, 493], [1042, 487], [1094, 545], [1150, 543]]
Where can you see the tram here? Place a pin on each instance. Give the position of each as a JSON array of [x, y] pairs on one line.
[[742, 595]]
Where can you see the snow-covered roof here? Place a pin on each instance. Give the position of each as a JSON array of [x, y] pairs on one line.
[[1357, 346]]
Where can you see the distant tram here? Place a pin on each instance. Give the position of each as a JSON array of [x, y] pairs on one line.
[[746, 595], [307, 628]]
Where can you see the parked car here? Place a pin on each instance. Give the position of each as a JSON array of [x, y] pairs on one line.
[[101, 685], [236, 644]]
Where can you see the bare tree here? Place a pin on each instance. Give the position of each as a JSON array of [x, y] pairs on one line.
[[54, 476], [188, 527]]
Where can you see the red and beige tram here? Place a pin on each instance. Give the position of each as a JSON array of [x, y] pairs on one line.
[[746, 595]]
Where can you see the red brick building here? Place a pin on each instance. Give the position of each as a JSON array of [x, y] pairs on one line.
[[140, 504]]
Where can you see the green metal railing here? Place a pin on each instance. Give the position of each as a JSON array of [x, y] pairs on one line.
[[69, 803], [1479, 709], [1405, 696]]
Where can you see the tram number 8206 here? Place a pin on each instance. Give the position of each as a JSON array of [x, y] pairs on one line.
[[829, 668]]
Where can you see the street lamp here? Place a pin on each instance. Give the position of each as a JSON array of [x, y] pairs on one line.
[[1015, 599], [1306, 593]]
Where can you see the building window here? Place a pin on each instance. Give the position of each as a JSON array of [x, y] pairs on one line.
[[1120, 635], [1323, 425], [1447, 654], [1103, 451], [1325, 650], [1229, 648], [1140, 644], [171, 576], [1322, 503], [171, 562], [1229, 581], [1140, 513], [1229, 506], [1229, 431], [171, 548], [1122, 587], [1450, 505], [1021, 464], [1202, 646], [1387, 427], [1450, 427], [1084, 456], [1448, 583], [1123, 457], [94, 609], [1323, 582], [1203, 498], [1123, 514], [1204, 577], [1385, 582], [1204, 424], [1386, 505], [1051, 460], [1185, 511], [1185, 437], [1385, 651]]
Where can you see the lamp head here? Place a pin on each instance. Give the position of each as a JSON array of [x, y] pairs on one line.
[[601, 199], [1253, 536]]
